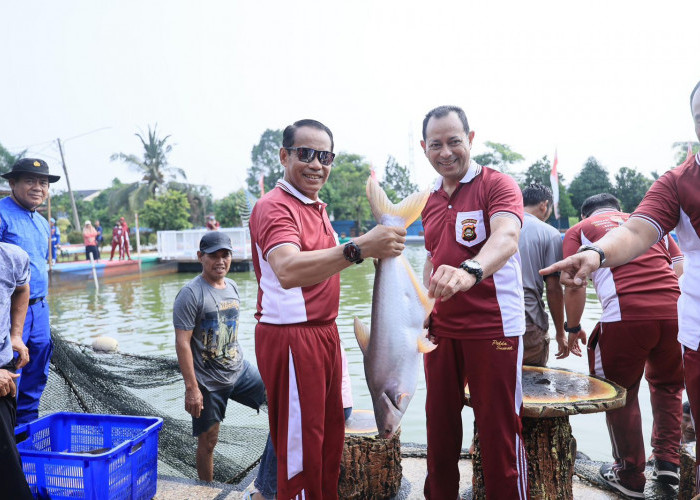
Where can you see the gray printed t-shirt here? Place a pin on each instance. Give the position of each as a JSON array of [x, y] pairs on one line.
[[540, 246], [212, 315], [14, 272]]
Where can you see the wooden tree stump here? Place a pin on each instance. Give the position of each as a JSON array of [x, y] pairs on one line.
[[549, 397], [686, 489], [371, 466]]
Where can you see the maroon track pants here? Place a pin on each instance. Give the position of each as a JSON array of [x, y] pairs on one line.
[[492, 368], [301, 368], [691, 365], [623, 351]]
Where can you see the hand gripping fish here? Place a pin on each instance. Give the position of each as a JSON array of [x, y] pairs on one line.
[[393, 349]]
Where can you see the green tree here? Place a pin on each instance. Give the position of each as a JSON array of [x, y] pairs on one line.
[[592, 179], [680, 150], [229, 209], [265, 161], [8, 159], [170, 210], [345, 190], [499, 156], [154, 169], [199, 198], [397, 181], [540, 172], [630, 188]]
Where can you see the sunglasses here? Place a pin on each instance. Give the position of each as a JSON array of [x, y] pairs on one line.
[[307, 155]]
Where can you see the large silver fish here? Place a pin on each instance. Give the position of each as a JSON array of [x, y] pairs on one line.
[[393, 348]]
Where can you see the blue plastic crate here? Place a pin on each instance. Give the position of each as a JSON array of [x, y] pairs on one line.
[[96, 457]]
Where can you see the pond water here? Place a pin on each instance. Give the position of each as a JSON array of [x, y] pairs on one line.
[[138, 313]]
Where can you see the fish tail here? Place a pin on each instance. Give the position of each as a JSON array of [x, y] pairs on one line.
[[408, 209]]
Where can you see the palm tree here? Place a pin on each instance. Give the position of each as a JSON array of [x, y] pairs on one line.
[[154, 168]]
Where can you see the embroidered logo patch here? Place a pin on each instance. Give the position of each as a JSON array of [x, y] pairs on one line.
[[502, 345], [469, 229], [37, 164]]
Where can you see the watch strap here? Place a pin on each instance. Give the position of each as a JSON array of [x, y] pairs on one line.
[[595, 249]]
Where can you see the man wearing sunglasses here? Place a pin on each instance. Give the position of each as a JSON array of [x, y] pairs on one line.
[[297, 260], [22, 225]]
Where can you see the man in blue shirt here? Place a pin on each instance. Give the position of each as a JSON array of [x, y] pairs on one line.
[[22, 225]]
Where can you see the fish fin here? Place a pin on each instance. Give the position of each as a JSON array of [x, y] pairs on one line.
[[362, 335], [402, 400], [408, 209], [422, 292], [424, 344]]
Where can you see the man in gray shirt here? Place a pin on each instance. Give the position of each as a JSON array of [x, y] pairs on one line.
[[540, 245], [205, 316], [14, 300]]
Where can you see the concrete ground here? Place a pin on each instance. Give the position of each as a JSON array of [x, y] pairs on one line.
[[414, 470]]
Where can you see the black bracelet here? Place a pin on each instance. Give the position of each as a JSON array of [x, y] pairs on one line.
[[575, 329]]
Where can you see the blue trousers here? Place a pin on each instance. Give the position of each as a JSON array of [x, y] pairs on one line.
[[31, 383]]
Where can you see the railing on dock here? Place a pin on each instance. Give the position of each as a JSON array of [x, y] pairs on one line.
[[183, 245]]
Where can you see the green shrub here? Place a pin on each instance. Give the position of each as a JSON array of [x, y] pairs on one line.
[[75, 237]]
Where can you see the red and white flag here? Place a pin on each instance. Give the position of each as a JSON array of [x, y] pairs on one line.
[[261, 183], [554, 181]]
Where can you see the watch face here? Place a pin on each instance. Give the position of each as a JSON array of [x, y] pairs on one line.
[[351, 252]]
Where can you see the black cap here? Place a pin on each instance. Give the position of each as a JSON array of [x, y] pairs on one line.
[[30, 166], [213, 241]]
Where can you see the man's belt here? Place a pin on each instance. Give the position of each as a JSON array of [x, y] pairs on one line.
[[35, 300]]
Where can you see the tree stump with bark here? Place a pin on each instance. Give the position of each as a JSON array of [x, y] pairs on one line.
[[549, 397], [371, 466], [686, 489]]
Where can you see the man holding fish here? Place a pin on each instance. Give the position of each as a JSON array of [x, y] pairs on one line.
[[297, 260], [472, 223]]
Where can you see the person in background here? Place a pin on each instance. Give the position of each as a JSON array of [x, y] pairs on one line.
[[55, 240], [22, 225], [125, 239], [212, 223], [636, 336], [343, 239], [540, 246], [117, 240], [14, 300], [99, 239], [206, 319], [90, 241]]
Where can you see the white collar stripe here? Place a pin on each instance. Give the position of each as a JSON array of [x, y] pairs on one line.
[[295, 192]]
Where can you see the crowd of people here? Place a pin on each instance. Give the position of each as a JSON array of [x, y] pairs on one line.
[[490, 259]]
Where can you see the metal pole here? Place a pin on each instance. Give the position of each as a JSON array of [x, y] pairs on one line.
[[50, 237], [76, 220], [94, 272], [138, 239]]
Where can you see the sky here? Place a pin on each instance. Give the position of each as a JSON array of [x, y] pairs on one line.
[[597, 78]]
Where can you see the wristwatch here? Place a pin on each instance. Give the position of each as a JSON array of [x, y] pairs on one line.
[[473, 268], [596, 249], [575, 329], [352, 252]]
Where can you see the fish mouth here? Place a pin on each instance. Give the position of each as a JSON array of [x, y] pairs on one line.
[[391, 416]]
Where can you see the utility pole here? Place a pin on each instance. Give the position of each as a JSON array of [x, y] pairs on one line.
[[76, 220]]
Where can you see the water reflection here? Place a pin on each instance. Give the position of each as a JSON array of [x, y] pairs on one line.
[[138, 313]]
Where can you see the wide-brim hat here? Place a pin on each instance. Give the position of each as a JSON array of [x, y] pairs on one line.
[[31, 166]]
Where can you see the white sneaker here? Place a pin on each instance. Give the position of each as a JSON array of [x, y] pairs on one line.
[[609, 474]]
